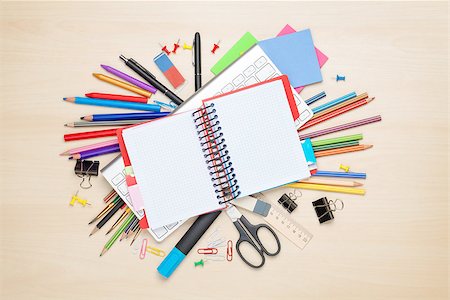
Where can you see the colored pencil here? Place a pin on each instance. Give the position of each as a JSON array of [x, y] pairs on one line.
[[116, 235], [336, 145], [341, 127], [120, 219], [123, 85], [132, 230], [341, 150], [137, 99], [340, 174], [130, 79], [113, 103], [90, 147], [315, 98], [345, 103], [96, 152], [89, 134], [124, 117], [107, 217], [347, 138], [335, 113], [331, 182], [105, 210], [109, 196], [136, 235], [128, 228], [327, 188], [333, 102], [105, 123]]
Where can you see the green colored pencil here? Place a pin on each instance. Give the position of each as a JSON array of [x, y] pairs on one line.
[[117, 234], [337, 145], [341, 139]]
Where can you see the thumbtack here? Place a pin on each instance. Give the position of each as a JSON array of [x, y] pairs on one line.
[[340, 78], [164, 48], [176, 46], [215, 47], [76, 199], [187, 47], [345, 168], [199, 263]]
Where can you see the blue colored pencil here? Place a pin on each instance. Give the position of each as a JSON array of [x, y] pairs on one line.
[[340, 174], [315, 98], [333, 102], [126, 116], [117, 104]]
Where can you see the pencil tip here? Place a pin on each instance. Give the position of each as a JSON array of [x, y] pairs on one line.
[[81, 118], [70, 158], [358, 183], [65, 98], [65, 125]]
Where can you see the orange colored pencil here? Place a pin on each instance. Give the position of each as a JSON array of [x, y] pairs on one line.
[[335, 113], [345, 103], [342, 150]]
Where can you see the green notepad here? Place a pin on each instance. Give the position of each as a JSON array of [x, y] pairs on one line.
[[241, 46]]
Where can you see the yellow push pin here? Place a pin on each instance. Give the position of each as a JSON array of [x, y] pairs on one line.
[[75, 199], [345, 168], [187, 47]]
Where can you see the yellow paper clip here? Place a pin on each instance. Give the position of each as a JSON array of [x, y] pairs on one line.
[[345, 168], [187, 47], [156, 251], [75, 199]]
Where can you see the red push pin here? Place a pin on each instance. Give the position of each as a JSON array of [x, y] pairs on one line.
[[215, 47], [176, 46], [164, 48]]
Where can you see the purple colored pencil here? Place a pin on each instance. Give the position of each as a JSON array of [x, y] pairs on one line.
[[96, 152], [130, 79], [340, 127]]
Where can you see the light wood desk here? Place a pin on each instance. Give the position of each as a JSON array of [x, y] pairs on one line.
[[392, 243]]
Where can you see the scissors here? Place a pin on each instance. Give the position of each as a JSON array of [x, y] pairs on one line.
[[248, 233]]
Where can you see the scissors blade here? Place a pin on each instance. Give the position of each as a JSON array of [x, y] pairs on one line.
[[233, 213]]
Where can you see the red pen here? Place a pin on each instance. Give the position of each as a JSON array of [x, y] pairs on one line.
[[118, 97]]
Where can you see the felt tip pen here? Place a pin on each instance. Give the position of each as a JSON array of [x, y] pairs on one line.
[[187, 242], [150, 78]]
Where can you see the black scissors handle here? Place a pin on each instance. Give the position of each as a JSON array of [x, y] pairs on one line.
[[253, 229], [244, 238]]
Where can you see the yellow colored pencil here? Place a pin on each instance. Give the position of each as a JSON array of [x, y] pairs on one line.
[[327, 188], [123, 85], [345, 103], [331, 182]]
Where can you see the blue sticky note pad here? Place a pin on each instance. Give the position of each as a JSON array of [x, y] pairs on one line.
[[295, 56]]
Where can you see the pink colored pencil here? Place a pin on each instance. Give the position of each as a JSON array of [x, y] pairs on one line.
[[340, 127], [90, 147]]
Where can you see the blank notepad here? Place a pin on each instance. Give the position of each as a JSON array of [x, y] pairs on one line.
[[256, 125]]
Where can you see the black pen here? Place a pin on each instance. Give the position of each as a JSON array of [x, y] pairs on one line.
[[197, 62], [150, 78]]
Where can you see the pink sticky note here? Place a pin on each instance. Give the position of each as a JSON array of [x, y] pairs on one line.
[[322, 58]]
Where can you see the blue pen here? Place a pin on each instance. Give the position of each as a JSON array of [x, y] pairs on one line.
[[340, 174], [117, 104], [334, 102]]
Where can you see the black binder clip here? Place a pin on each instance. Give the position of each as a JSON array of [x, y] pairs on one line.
[[324, 208], [288, 201], [85, 169]]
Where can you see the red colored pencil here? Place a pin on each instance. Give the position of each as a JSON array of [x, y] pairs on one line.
[[89, 135], [335, 113], [118, 97]]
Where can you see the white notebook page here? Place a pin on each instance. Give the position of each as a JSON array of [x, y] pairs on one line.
[[170, 169], [261, 137]]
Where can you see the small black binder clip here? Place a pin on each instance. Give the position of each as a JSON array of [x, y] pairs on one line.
[[324, 208], [288, 202], [85, 169]]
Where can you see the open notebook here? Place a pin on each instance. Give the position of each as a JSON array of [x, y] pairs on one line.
[[235, 145]]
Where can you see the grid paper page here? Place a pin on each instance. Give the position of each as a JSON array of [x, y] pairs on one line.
[[261, 137], [170, 169]]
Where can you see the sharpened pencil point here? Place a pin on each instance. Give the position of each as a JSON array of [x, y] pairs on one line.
[[65, 98], [358, 183], [81, 118], [71, 157], [94, 230], [103, 251]]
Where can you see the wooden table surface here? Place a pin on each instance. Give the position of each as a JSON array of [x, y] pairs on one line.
[[390, 244]]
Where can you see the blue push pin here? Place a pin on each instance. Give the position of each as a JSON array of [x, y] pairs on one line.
[[340, 78]]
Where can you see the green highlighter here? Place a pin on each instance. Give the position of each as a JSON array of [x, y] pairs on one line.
[[241, 46]]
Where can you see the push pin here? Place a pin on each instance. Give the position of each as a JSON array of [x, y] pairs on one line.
[[340, 78], [187, 47], [199, 263], [176, 46], [345, 168], [215, 47], [164, 48], [75, 199]]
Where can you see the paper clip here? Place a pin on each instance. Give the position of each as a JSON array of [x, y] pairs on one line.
[[230, 250], [214, 258], [207, 251], [156, 251], [143, 249], [345, 168], [217, 243]]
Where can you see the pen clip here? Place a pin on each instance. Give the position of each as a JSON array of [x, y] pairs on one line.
[[193, 54]]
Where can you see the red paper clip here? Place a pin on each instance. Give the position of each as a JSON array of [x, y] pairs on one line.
[[207, 251], [230, 250], [143, 249]]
